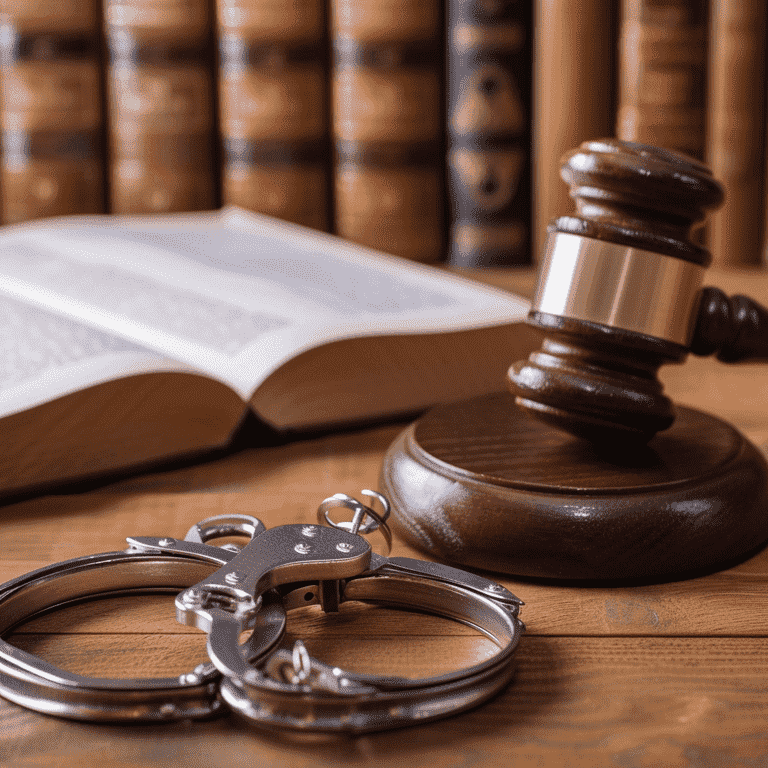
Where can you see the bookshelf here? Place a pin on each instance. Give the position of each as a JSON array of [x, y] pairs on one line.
[[429, 129]]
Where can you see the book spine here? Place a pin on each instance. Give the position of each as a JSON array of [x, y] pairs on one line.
[[51, 114], [574, 51], [736, 128], [273, 116], [160, 104], [662, 74], [387, 105], [489, 132]]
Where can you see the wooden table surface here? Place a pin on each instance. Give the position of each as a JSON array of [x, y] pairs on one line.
[[666, 675]]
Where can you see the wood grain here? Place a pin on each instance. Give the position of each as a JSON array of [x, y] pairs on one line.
[[664, 675], [480, 483], [574, 702]]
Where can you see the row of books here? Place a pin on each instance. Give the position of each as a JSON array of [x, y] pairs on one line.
[[331, 115], [416, 127], [687, 75]]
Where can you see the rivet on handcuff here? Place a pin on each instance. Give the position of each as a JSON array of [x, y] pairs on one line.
[[280, 569]]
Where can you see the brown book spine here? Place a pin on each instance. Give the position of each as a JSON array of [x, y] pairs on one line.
[[273, 114], [736, 128], [160, 103], [574, 87], [387, 106], [51, 114], [489, 132], [662, 74]]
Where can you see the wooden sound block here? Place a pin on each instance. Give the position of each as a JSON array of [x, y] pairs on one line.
[[485, 485]]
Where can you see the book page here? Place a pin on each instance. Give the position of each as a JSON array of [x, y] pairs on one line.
[[45, 356], [230, 293]]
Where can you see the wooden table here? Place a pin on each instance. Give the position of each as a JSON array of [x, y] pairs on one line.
[[664, 675]]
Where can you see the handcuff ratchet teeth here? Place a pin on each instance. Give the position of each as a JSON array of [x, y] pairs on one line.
[[278, 570]]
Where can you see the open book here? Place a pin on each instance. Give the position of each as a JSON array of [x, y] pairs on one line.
[[127, 340]]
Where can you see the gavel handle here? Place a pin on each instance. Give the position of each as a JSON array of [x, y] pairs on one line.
[[734, 327]]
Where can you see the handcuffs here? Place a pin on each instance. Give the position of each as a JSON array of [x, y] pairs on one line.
[[226, 591]]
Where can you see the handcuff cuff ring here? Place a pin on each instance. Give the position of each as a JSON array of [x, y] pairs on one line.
[[30, 681], [295, 692]]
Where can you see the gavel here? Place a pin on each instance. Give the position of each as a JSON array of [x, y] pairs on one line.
[[482, 483], [620, 293]]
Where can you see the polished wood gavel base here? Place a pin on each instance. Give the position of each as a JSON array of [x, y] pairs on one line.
[[482, 484]]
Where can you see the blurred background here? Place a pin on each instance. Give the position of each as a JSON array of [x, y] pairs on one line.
[[431, 129]]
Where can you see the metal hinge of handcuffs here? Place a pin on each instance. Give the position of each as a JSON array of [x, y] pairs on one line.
[[280, 569]]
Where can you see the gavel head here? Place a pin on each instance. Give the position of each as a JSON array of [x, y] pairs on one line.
[[618, 291]]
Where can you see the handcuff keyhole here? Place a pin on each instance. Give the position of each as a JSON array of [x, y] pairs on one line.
[[309, 596]]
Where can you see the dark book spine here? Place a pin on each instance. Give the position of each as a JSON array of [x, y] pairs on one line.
[[662, 74], [273, 116], [160, 101], [388, 112], [51, 114], [489, 132]]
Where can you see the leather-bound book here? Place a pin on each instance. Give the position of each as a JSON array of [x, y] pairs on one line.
[[736, 128], [489, 132], [51, 113], [662, 74], [160, 103], [387, 106], [574, 94], [273, 112]]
